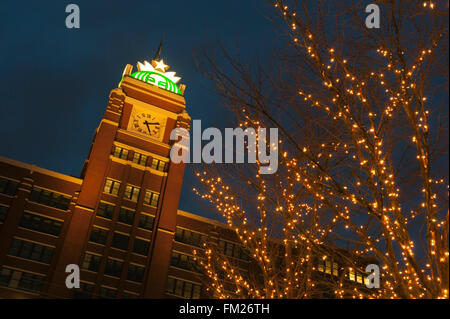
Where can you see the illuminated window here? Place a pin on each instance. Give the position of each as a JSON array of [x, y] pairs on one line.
[[126, 216], [328, 266], [146, 221], [105, 210], [91, 262], [359, 277], [111, 187], [113, 267], [151, 198], [120, 152], [135, 273], [8, 186], [132, 193], [335, 269], [321, 266], [120, 241], [29, 250], [183, 288], [49, 198], [351, 274], [98, 235], [158, 165], [140, 159], [41, 224], [141, 246]]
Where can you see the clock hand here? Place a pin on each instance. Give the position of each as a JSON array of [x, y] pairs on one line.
[[148, 127]]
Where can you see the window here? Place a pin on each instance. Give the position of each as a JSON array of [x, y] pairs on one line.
[[3, 213], [184, 261], [107, 293], [189, 237], [158, 165], [105, 210], [84, 292], [41, 224], [126, 216], [120, 241], [98, 235], [141, 246], [233, 250], [140, 159], [111, 187], [91, 262], [21, 280], [48, 198], [151, 198], [8, 186], [351, 274], [328, 266], [146, 221], [28, 250], [135, 273], [131, 193], [113, 267], [335, 269], [120, 152], [357, 276], [183, 288]]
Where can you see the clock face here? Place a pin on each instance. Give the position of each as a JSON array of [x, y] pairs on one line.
[[146, 123]]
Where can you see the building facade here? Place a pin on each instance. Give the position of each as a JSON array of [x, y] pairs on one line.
[[120, 220]]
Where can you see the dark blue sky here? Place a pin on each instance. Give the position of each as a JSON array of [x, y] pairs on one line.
[[56, 81]]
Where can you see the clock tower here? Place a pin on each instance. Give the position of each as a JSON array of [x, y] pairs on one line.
[[129, 173]]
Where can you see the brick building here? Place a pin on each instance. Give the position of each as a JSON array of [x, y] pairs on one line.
[[120, 220]]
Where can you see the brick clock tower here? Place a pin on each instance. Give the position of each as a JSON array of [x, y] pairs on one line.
[[129, 172]]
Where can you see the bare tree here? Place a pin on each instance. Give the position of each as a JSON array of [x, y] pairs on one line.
[[363, 121]]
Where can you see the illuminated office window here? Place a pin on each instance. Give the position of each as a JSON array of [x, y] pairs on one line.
[[120, 152], [151, 198], [111, 187], [158, 165], [132, 193], [140, 159]]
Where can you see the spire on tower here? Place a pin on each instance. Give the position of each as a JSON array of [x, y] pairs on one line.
[[158, 52]]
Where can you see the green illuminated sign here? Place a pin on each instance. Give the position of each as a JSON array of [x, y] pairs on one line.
[[157, 79]]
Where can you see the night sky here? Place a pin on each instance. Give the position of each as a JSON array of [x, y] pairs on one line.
[[56, 81]]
